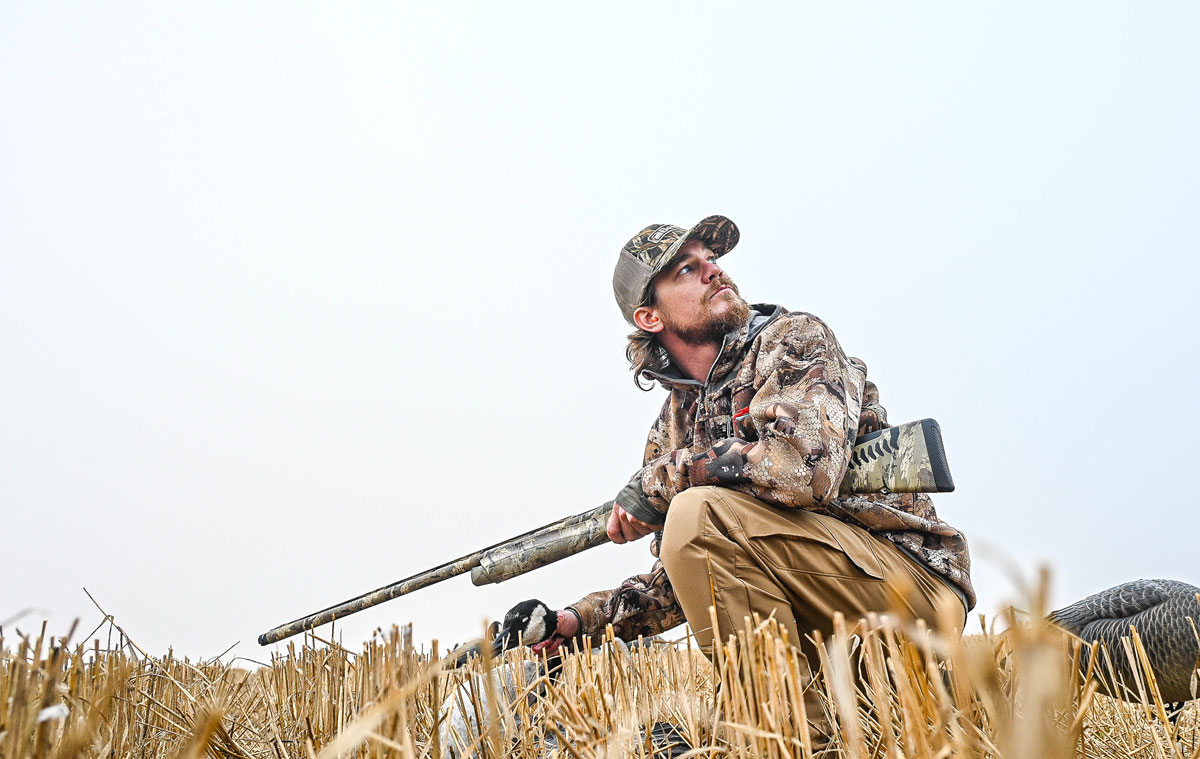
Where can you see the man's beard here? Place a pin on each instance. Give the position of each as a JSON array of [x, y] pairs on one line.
[[713, 327]]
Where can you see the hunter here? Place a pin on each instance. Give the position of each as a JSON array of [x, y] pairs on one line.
[[742, 468]]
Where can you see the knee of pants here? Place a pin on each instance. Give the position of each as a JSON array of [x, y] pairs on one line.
[[687, 518]]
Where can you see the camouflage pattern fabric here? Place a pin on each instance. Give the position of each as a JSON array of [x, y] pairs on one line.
[[657, 244], [776, 420], [643, 605]]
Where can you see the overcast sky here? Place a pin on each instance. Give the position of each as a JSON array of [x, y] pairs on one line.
[[297, 300]]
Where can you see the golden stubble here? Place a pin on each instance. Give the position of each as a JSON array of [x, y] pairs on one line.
[[880, 689]]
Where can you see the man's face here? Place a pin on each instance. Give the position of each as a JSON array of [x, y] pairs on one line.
[[695, 299]]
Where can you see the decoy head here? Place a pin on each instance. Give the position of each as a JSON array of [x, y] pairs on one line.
[[526, 623]]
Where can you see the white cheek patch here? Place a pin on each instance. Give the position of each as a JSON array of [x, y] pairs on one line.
[[537, 632]]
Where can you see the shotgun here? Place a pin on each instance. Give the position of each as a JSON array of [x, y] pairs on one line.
[[909, 458]]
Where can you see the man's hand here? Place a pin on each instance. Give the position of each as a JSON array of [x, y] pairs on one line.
[[568, 627], [623, 528]]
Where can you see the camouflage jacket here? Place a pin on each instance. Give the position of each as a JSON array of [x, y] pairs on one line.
[[776, 419]]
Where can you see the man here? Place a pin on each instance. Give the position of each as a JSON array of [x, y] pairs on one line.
[[742, 468]]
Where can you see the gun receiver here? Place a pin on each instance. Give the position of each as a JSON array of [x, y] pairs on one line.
[[909, 458]]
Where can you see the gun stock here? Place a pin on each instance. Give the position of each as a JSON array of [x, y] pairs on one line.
[[909, 458]]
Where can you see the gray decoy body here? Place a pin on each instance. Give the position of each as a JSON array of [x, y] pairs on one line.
[[1160, 610], [460, 731], [511, 681], [528, 622]]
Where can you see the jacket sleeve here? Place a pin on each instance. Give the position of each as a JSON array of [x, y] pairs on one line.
[[793, 445], [633, 497], [643, 605]]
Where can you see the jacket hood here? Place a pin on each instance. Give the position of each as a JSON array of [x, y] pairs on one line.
[[732, 347]]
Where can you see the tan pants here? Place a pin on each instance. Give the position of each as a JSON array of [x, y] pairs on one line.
[[801, 566]]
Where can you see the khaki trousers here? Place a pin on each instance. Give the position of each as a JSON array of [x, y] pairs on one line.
[[800, 566]]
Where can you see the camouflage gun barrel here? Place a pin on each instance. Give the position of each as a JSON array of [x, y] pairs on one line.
[[909, 458], [905, 459], [454, 568]]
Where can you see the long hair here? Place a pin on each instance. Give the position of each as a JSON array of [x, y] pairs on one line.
[[645, 351]]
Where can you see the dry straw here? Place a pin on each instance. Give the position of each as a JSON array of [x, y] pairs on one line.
[[880, 690]]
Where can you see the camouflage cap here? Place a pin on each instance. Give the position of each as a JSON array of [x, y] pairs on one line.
[[652, 249]]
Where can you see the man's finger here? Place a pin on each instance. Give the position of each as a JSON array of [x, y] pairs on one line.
[[628, 527], [630, 532], [644, 525], [614, 528]]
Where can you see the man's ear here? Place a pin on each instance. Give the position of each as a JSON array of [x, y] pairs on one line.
[[647, 319]]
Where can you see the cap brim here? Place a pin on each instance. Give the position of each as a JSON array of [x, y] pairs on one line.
[[719, 233]]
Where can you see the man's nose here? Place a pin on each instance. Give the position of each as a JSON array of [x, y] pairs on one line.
[[711, 271]]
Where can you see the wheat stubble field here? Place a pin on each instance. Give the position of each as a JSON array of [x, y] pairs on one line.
[[1015, 694]]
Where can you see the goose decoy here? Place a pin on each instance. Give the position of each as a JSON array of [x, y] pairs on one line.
[[1160, 610], [527, 623]]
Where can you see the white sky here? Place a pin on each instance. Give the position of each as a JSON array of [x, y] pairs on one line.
[[299, 300]]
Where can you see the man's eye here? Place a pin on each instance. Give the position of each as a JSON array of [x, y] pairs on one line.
[[684, 269]]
